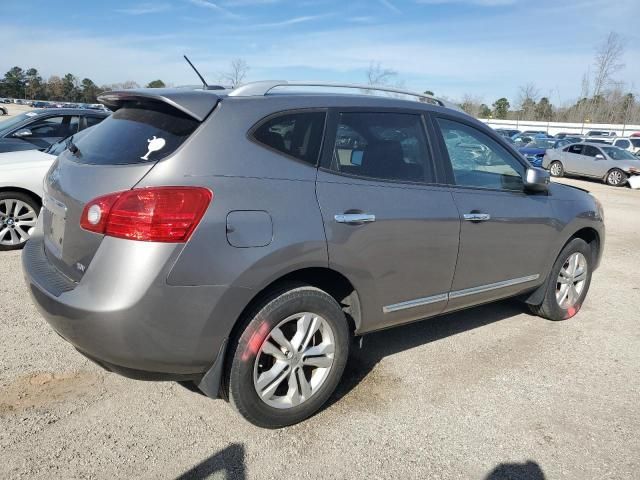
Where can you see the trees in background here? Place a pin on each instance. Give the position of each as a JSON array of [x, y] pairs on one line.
[[501, 108], [29, 84], [236, 74], [155, 84]]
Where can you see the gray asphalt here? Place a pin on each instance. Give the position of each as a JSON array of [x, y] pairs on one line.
[[489, 393]]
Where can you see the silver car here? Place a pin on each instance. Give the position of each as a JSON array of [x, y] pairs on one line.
[[238, 240], [610, 164]]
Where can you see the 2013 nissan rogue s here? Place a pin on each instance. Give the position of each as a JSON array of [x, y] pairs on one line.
[[237, 240]]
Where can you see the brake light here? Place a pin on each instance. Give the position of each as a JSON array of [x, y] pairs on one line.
[[156, 214]]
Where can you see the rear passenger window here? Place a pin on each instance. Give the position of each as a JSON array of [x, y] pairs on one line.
[[296, 134], [387, 146]]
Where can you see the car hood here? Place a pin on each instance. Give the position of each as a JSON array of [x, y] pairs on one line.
[[23, 159]]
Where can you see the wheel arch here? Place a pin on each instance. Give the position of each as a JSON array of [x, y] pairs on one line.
[[24, 191], [592, 237], [324, 278]]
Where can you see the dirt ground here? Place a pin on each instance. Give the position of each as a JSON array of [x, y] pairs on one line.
[[489, 393]]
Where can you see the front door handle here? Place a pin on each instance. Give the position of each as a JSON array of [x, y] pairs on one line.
[[354, 218], [477, 217]]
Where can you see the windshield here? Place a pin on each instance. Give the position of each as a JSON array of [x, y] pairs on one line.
[[616, 153], [8, 124], [541, 143]]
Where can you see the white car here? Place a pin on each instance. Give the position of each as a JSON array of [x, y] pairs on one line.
[[21, 179], [630, 144]]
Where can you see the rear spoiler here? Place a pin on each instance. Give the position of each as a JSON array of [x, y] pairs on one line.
[[198, 104]]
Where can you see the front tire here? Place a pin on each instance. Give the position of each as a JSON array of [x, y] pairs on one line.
[[288, 359], [556, 169], [616, 178], [568, 282], [18, 218]]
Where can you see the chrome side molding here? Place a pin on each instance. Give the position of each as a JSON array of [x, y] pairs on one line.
[[492, 286], [458, 293], [415, 303]]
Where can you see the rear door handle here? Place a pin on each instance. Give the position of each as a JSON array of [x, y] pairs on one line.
[[477, 217], [354, 218]]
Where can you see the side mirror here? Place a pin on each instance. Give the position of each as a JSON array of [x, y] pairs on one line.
[[599, 157], [23, 132], [536, 180]]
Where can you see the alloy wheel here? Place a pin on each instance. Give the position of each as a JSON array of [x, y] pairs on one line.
[[294, 360], [615, 177], [571, 280], [556, 170], [17, 222]]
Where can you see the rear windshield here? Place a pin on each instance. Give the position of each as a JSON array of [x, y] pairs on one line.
[[136, 133]]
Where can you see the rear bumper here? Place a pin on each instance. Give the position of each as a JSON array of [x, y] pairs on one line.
[[124, 316]]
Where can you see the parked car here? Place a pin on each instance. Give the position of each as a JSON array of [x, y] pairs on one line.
[[234, 242], [3, 110], [21, 194], [532, 133], [40, 128], [600, 133], [563, 135], [40, 105], [534, 151], [507, 132], [610, 164], [631, 144]]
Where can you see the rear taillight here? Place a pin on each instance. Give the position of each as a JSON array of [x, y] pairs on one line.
[[157, 214]]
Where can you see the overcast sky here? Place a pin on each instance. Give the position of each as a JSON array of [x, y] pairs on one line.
[[485, 48]]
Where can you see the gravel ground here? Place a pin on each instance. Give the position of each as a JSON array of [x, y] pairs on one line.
[[489, 393]]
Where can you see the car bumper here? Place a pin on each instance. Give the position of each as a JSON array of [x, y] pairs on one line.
[[128, 319]]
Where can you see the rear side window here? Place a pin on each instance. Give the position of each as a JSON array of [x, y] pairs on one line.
[[577, 149], [386, 146], [136, 133], [296, 134]]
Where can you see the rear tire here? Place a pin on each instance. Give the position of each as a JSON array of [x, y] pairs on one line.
[[18, 217], [568, 284], [288, 358], [556, 169], [615, 177]]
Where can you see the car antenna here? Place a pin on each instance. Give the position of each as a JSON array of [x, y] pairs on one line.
[[205, 86]]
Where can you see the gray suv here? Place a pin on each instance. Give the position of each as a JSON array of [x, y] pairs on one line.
[[236, 241]]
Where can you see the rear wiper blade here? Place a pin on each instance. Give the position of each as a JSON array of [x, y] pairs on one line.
[[73, 148]]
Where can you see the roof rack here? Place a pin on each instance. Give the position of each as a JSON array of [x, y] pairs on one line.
[[262, 88]]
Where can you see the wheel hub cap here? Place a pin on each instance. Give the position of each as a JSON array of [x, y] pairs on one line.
[[294, 360], [17, 221], [571, 280]]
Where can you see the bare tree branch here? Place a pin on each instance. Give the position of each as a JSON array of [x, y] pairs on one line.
[[238, 70], [608, 62]]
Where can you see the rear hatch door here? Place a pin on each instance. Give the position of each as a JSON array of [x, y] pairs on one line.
[[146, 127]]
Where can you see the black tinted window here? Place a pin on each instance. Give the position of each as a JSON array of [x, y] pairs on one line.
[[388, 146], [135, 134], [575, 149], [478, 160], [590, 151], [295, 134]]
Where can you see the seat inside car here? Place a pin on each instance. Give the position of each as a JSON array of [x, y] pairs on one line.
[[385, 159]]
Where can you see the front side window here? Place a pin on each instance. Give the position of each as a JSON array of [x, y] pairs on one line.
[[48, 127], [385, 146], [296, 134], [479, 161]]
